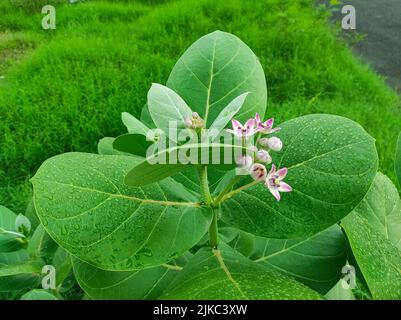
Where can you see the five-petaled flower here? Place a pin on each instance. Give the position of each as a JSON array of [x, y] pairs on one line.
[[274, 182], [265, 127], [246, 130]]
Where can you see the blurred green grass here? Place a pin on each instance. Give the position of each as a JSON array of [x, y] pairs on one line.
[[65, 89]]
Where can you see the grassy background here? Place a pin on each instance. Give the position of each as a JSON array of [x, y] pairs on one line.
[[64, 89]]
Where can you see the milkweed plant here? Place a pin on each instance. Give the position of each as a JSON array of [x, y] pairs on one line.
[[205, 197]]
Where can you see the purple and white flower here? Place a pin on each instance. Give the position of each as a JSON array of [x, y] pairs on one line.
[[265, 127], [246, 130], [274, 182]]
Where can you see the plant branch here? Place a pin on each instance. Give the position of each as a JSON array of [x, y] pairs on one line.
[[230, 194], [227, 189]]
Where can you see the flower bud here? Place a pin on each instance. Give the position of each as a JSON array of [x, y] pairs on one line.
[[263, 156], [23, 225], [258, 172], [272, 143]]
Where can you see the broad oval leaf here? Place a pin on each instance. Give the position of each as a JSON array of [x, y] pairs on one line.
[[397, 163], [331, 165], [225, 274], [213, 71], [316, 261], [124, 285], [39, 294], [166, 106], [105, 146], [84, 205], [373, 231]]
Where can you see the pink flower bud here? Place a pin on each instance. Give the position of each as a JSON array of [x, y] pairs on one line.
[[263, 156], [258, 172]]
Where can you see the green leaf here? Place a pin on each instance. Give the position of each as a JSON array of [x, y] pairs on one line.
[[133, 124], [331, 165], [213, 71], [398, 160], [105, 146], [228, 113], [316, 261], [86, 208], [62, 263], [10, 239], [338, 292], [129, 285], [373, 231], [226, 274], [382, 209], [18, 271], [41, 245], [30, 213], [146, 118], [39, 294], [164, 106], [135, 144], [171, 161]]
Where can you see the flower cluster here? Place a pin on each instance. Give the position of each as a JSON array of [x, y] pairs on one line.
[[256, 165]]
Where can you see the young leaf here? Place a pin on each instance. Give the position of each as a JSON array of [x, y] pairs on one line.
[[63, 264], [338, 292], [133, 124], [17, 271], [228, 113], [146, 118], [88, 211], [10, 239], [227, 275], [165, 105], [398, 160], [331, 165], [142, 284], [373, 231], [105, 146], [213, 71], [41, 245], [135, 144], [39, 294]]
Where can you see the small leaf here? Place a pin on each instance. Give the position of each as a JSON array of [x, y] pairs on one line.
[[146, 118], [133, 124], [105, 146], [135, 144], [63, 265], [225, 274], [10, 238], [23, 225], [85, 207], [164, 106], [228, 113], [373, 231], [338, 292], [17, 271], [39, 294], [398, 160], [41, 245]]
